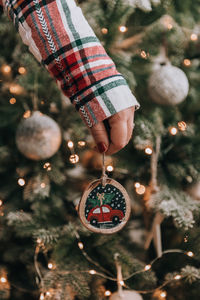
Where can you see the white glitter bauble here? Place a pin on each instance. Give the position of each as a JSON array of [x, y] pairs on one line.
[[126, 295], [168, 85], [38, 137]]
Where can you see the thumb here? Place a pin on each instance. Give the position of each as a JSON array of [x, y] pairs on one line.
[[100, 136]]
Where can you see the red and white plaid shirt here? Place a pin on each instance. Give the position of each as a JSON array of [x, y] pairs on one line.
[[60, 38]]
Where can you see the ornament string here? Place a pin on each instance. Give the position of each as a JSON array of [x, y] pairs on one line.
[[104, 176]]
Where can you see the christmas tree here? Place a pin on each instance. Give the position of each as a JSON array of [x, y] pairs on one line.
[[46, 253]]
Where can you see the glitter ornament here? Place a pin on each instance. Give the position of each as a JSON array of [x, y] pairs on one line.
[[38, 137], [126, 295], [168, 85]]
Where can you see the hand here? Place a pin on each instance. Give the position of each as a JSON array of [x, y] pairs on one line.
[[121, 128]]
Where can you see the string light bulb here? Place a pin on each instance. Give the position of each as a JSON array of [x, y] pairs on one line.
[[43, 185], [137, 185], [194, 37], [3, 279], [177, 277], [182, 126], [148, 150], [110, 168], [42, 297], [47, 166], [6, 69], [173, 130], [22, 70], [81, 143], [143, 54], [80, 245], [123, 29], [48, 293], [147, 267], [121, 282], [21, 181], [15, 89], [190, 254], [163, 294], [140, 190], [1, 202], [92, 272], [51, 266], [107, 293], [12, 100], [187, 62], [70, 144], [27, 114], [104, 30], [74, 158]]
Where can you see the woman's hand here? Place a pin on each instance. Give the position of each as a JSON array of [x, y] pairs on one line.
[[121, 128]]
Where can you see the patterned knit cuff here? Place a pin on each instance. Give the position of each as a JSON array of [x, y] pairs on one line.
[[103, 99]]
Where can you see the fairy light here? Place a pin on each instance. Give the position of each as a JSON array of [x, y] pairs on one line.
[[182, 126], [177, 277], [107, 293], [148, 150], [194, 37], [110, 168], [27, 114], [140, 190], [48, 293], [143, 54], [70, 144], [104, 30], [92, 272], [51, 266], [47, 166], [137, 185], [190, 254], [22, 70], [42, 297], [15, 89], [6, 69], [123, 29], [173, 130], [81, 143], [187, 62], [42, 185], [21, 181], [163, 294], [147, 267], [39, 241], [185, 239], [80, 245], [74, 158], [121, 282], [12, 100], [1, 202], [3, 279]]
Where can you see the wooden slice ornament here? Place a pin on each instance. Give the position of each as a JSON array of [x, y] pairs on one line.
[[105, 206]]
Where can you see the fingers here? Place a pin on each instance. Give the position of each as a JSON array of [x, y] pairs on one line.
[[100, 136], [121, 130], [118, 136]]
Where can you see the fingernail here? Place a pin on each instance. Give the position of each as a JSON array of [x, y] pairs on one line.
[[101, 147]]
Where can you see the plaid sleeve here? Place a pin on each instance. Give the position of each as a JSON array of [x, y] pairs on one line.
[[60, 38]]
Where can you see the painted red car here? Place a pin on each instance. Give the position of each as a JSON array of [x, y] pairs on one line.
[[104, 213]]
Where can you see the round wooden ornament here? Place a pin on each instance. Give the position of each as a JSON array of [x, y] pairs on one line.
[[105, 206]]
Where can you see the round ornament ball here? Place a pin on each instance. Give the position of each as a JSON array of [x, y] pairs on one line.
[[126, 295], [168, 85], [38, 137]]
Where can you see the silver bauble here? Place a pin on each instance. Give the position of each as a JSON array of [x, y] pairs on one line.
[[38, 137], [126, 295], [168, 85]]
